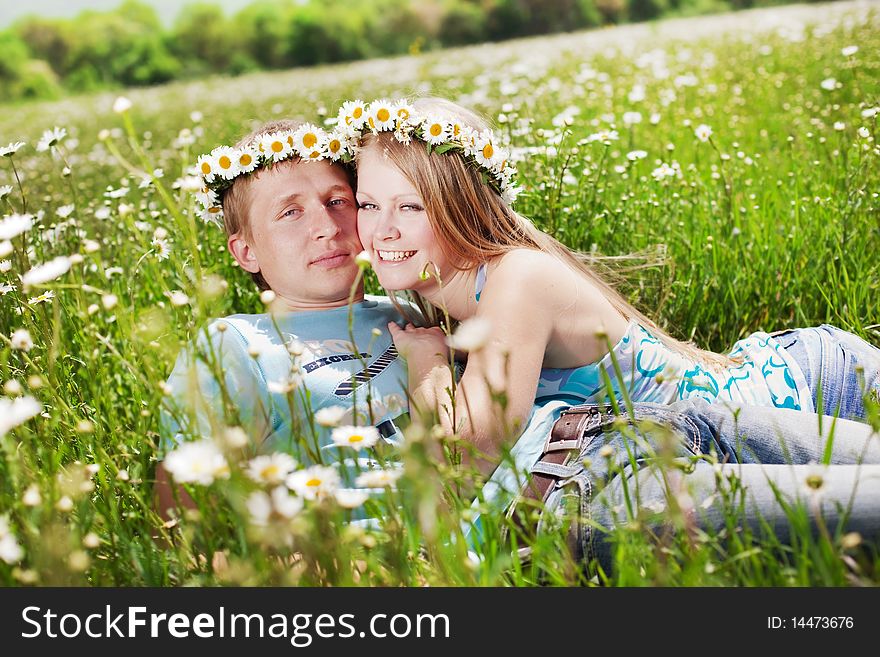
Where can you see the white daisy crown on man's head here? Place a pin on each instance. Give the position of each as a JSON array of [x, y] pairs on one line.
[[219, 168]]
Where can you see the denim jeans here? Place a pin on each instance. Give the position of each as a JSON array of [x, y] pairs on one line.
[[771, 452], [836, 364]]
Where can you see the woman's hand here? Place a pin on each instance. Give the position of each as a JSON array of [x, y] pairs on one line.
[[422, 348]]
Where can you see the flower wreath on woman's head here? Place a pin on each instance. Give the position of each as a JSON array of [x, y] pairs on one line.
[[219, 168]]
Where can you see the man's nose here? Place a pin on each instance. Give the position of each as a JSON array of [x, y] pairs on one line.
[[325, 226]]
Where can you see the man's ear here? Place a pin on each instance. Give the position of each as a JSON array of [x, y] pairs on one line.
[[243, 253]]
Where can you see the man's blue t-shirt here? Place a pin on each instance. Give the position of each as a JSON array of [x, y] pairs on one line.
[[279, 370]]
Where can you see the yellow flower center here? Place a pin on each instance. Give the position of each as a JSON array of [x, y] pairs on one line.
[[456, 129], [436, 129], [403, 113], [314, 155], [310, 139], [358, 112], [214, 210], [277, 146], [488, 151], [383, 115], [206, 168], [334, 145], [245, 159], [314, 482], [269, 471], [355, 438], [290, 140], [224, 162]]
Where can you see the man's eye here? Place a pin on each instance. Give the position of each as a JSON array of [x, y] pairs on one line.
[[336, 202]]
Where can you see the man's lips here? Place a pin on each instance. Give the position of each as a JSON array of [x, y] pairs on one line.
[[332, 259]]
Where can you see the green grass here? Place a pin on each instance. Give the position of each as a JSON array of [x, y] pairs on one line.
[[773, 223]]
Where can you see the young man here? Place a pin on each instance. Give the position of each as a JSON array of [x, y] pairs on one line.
[[293, 228]]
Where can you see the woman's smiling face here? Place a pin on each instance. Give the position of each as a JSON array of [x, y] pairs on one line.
[[393, 226]]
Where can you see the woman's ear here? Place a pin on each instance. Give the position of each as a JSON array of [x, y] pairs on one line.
[[243, 253]]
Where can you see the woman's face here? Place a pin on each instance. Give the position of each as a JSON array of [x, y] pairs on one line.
[[393, 226]]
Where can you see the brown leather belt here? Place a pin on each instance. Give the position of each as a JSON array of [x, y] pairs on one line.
[[566, 438]]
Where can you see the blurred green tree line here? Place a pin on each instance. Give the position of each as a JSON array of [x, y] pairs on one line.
[[47, 57]]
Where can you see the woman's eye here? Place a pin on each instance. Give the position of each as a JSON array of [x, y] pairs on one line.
[[367, 206], [412, 207], [290, 212]]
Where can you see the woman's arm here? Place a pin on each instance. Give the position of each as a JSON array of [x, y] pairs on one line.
[[492, 401]]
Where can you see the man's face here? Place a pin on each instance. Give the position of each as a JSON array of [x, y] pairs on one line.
[[303, 220]]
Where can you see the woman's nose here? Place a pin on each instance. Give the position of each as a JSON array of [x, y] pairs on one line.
[[386, 227]]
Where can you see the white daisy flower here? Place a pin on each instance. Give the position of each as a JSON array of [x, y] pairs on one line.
[[45, 296], [199, 462], [5, 190], [351, 498], [308, 141], [276, 145], [828, 84], [11, 149], [631, 118], [270, 468], [280, 504], [313, 483], [849, 51], [21, 340], [352, 116], [207, 197], [330, 416], [10, 550], [337, 145], [378, 478], [46, 272], [357, 437], [51, 138], [5, 247], [15, 412], [381, 116], [65, 211], [403, 111], [213, 215], [285, 386], [471, 335], [207, 166], [163, 248], [435, 130], [605, 136], [484, 150], [14, 225], [6, 288], [121, 105], [225, 162], [247, 159], [633, 156], [703, 132], [5, 266]]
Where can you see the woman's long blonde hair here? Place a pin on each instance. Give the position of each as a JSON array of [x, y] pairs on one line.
[[472, 223]]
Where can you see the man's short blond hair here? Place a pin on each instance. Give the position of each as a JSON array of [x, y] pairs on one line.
[[236, 199]]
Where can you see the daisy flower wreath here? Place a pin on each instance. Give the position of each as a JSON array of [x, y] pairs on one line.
[[219, 168]]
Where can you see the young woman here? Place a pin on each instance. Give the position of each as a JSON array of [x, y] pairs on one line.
[[437, 222]]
